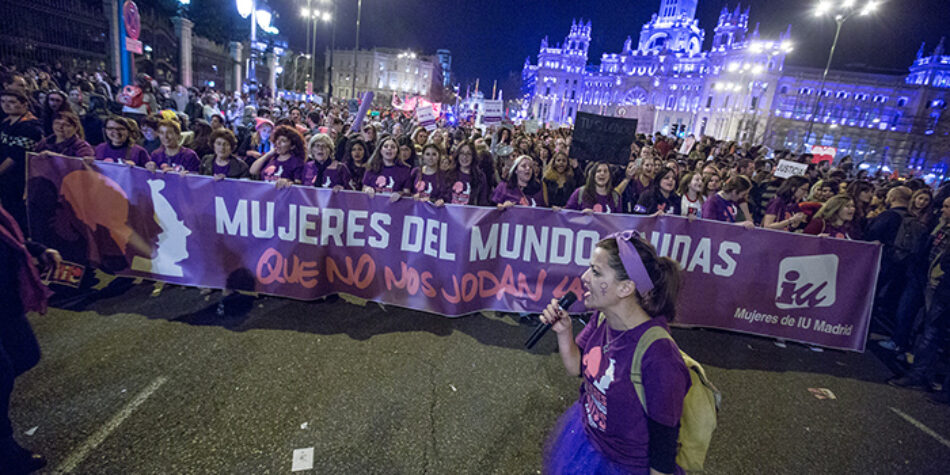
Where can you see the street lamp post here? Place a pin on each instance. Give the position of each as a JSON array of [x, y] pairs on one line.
[[842, 13], [313, 16], [330, 60], [771, 50], [359, 12]]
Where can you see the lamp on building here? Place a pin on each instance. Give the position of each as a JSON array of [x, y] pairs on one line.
[[841, 13]]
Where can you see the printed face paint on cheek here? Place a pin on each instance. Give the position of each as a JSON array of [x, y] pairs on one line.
[[603, 288]]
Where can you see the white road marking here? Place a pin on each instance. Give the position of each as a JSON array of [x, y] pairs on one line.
[[81, 452], [919, 425]]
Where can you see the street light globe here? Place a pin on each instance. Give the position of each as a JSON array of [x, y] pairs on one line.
[[733, 67], [245, 7], [305, 12], [869, 8], [326, 16], [263, 19]]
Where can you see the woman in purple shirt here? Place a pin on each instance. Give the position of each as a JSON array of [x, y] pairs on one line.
[[521, 187], [782, 211], [722, 206], [284, 164], [67, 138], [172, 156], [608, 431], [428, 180], [466, 184], [385, 173], [597, 195], [120, 146], [833, 219], [323, 170]]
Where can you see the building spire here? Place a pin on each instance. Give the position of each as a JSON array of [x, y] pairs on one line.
[[920, 52], [938, 51]]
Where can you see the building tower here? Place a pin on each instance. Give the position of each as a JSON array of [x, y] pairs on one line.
[[574, 49], [674, 29], [670, 10], [731, 28]]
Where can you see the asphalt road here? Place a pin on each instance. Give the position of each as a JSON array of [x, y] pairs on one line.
[[134, 384]]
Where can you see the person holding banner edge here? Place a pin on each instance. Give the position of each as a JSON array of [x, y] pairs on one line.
[[607, 431]]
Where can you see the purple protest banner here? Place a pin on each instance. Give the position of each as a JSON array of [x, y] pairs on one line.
[[305, 243]]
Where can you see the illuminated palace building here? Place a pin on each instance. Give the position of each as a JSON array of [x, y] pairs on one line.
[[742, 90]]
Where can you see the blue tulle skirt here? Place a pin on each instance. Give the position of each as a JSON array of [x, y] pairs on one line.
[[569, 451]]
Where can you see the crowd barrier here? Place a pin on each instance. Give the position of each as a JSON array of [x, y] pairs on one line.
[[304, 243]]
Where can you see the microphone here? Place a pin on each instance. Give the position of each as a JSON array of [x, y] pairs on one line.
[[564, 303]]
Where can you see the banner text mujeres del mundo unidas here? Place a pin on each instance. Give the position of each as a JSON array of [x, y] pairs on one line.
[[305, 243]]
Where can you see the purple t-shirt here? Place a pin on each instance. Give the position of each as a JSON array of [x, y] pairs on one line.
[[185, 159], [609, 203], [459, 191], [220, 169], [71, 147], [109, 154], [274, 169], [839, 232], [615, 420], [427, 186], [389, 179], [718, 208], [339, 176], [781, 209], [504, 193]]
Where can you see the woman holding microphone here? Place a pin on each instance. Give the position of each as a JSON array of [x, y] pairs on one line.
[[608, 431]]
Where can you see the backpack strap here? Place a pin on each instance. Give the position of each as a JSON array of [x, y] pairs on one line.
[[636, 374]]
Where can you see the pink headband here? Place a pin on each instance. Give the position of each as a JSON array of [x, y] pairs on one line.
[[632, 263]]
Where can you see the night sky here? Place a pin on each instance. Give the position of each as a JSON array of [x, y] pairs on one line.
[[490, 39]]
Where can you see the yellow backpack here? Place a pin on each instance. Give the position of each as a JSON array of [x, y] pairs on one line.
[[700, 406]]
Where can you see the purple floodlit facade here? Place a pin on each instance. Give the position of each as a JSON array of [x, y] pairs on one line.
[[741, 89]]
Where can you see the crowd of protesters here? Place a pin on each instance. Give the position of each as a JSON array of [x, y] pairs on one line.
[[168, 129], [204, 131]]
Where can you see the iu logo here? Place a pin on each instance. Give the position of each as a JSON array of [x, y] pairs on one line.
[[807, 281]]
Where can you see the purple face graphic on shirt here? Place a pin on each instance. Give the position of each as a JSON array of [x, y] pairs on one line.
[[458, 187], [598, 208], [380, 181]]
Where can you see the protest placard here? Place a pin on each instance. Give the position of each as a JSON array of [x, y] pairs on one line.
[[492, 111], [601, 138], [787, 168], [822, 153], [426, 116]]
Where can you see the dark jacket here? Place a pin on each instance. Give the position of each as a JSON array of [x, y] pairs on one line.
[[237, 168]]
